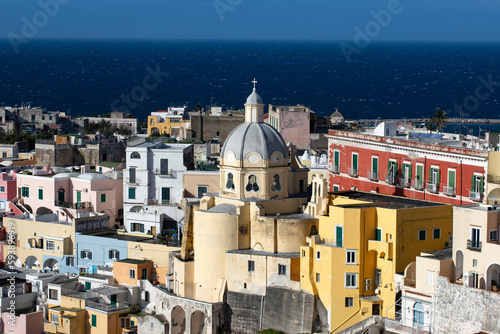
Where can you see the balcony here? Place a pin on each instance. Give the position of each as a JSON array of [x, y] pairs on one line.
[[449, 191], [433, 187], [69, 205], [405, 183], [381, 247], [418, 185], [373, 176], [334, 169], [474, 245], [168, 172], [391, 179], [353, 172], [476, 196], [132, 180]]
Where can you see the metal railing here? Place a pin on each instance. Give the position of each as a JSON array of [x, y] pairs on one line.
[[474, 245], [373, 175], [400, 328], [133, 181], [390, 178], [418, 185], [168, 172], [334, 242], [334, 169], [450, 191], [432, 187], [107, 307], [475, 196], [352, 171], [69, 205], [405, 183]]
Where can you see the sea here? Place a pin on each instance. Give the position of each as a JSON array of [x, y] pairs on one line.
[[381, 80]]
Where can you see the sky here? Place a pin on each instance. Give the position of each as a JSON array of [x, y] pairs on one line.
[[394, 20]]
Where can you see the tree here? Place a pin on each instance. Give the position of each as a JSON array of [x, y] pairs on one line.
[[438, 121]]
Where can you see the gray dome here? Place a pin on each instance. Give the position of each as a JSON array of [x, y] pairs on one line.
[[254, 137], [65, 175], [93, 176], [254, 98]]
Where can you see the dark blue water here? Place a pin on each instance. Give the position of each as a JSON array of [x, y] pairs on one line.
[[388, 80]]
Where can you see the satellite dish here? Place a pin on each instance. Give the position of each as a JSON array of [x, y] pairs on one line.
[[377, 291]]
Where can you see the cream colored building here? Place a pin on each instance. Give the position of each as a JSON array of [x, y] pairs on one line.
[[248, 236]]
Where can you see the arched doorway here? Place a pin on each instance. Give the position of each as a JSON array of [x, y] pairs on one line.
[[459, 265], [418, 315], [178, 320], [51, 264], [197, 322], [13, 260], [43, 211], [30, 210], [493, 276], [32, 261]]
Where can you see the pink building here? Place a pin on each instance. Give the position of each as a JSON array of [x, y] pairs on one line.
[[292, 122], [7, 190], [70, 193], [22, 323]]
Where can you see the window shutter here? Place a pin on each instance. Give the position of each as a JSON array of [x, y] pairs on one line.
[[110, 254], [473, 183], [117, 255], [141, 227], [403, 171], [90, 255], [438, 176], [409, 169], [430, 174], [82, 255], [388, 166], [395, 168], [481, 186]]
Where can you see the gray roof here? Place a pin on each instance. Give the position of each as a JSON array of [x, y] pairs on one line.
[[254, 138], [94, 176], [65, 175], [254, 98], [224, 208]]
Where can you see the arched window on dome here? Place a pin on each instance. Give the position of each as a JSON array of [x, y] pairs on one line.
[[276, 185], [252, 184], [135, 155], [230, 183]]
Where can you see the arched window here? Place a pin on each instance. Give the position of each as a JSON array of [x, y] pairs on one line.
[[135, 155], [276, 185], [252, 184], [230, 183]]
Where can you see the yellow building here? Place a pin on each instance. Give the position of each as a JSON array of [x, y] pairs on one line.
[[129, 271], [161, 122], [364, 240], [247, 237]]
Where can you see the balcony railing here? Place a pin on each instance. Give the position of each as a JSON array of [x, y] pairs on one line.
[[432, 187], [450, 191], [334, 169], [474, 245], [390, 178], [352, 171], [166, 201], [69, 205], [373, 176], [168, 172], [133, 180], [418, 185], [405, 183], [475, 196]]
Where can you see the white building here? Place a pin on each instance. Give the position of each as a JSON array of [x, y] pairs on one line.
[[152, 189]]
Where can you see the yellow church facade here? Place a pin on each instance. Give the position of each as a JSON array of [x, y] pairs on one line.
[[364, 240]]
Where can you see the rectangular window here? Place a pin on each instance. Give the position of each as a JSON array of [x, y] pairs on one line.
[[434, 175], [493, 235], [86, 254], [103, 198], [339, 235], [378, 234], [281, 269], [436, 233], [336, 187], [348, 301], [350, 257], [317, 277], [355, 163], [114, 254], [25, 192], [303, 253], [144, 273], [50, 245], [451, 178], [392, 168], [474, 263], [475, 238], [50, 118], [202, 190], [43, 118], [131, 175], [251, 265], [53, 294], [420, 174], [406, 171], [336, 159], [54, 318], [70, 261], [165, 195], [2, 189], [33, 118], [218, 133], [163, 166], [40, 193], [422, 235], [375, 167], [378, 277], [430, 278], [132, 273], [88, 286], [78, 197], [475, 280], [94, 320], [318, 255], [351, 280], [131, 193]]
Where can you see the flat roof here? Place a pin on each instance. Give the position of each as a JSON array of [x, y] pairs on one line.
[[385, 201], [262, 253], [134, 261]]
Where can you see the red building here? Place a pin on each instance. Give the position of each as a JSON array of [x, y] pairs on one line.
[[434, 170], [8, 190]]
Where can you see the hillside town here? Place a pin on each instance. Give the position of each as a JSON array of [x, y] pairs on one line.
[[241, 221]]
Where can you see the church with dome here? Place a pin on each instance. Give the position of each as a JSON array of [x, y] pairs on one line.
[[246, 238]]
